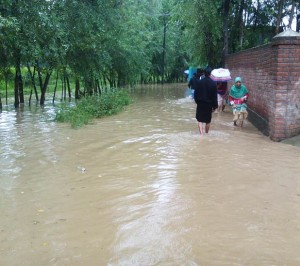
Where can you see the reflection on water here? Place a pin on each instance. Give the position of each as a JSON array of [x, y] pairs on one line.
[[142, 188]]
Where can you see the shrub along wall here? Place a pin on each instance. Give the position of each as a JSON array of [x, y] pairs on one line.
[[272, 75]]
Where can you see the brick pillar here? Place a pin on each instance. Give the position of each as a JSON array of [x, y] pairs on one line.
[[284, 121], [272, 75]]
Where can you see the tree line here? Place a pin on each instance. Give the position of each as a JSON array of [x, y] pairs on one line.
[[114, 43]]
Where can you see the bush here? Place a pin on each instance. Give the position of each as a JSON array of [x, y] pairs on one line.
[[93, 107]]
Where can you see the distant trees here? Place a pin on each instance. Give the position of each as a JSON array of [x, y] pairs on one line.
[[215, 28], [100, 43]]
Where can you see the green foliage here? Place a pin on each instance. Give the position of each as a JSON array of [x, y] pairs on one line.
[[250, 23], [93, 107], [118, 43], [202, 30]]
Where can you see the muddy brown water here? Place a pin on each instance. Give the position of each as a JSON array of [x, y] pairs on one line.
[[142, 188]]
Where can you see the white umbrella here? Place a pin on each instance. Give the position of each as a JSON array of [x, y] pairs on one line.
[[220, 74]]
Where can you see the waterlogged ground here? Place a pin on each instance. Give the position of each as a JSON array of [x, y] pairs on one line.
[[142, 188]]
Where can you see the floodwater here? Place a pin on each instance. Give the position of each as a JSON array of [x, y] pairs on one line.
[[143, 188]]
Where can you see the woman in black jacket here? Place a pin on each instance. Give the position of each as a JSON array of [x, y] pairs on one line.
[[206, 99]]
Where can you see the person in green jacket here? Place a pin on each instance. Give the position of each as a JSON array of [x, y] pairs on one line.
[[238, 97]]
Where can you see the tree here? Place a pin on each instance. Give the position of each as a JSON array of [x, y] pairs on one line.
[[279, 15], [225, 30]]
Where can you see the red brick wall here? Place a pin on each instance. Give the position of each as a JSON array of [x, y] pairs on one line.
[[272, 75]]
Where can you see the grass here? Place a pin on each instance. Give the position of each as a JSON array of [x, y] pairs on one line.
[[84, 110], [92, 107]]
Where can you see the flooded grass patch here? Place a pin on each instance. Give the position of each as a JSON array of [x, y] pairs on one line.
[[92, 107]]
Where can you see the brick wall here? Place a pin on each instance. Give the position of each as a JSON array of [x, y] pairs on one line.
[[271, 73]]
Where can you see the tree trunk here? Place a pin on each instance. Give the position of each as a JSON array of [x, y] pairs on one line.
[[164, 52], [98, 86], [241, 22], [17, 100], [209, 50], [77, 89], [33, 83], [64, 87], [292, 14], [256, 14], [279, 15], [20, 85], [6, 90], [225, 31], [88, 87], [69, 87], [56, 82], [19, 95], [44, 87]]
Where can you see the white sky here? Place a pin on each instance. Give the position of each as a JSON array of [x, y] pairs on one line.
[[286, 22], [285, 19]]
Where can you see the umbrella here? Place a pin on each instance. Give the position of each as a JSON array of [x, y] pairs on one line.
[[220, 74]]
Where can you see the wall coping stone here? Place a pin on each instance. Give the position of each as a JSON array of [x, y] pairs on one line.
[[287, 33]]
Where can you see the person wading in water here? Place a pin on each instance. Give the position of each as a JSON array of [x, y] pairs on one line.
[[238, 97], [206, 99]]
